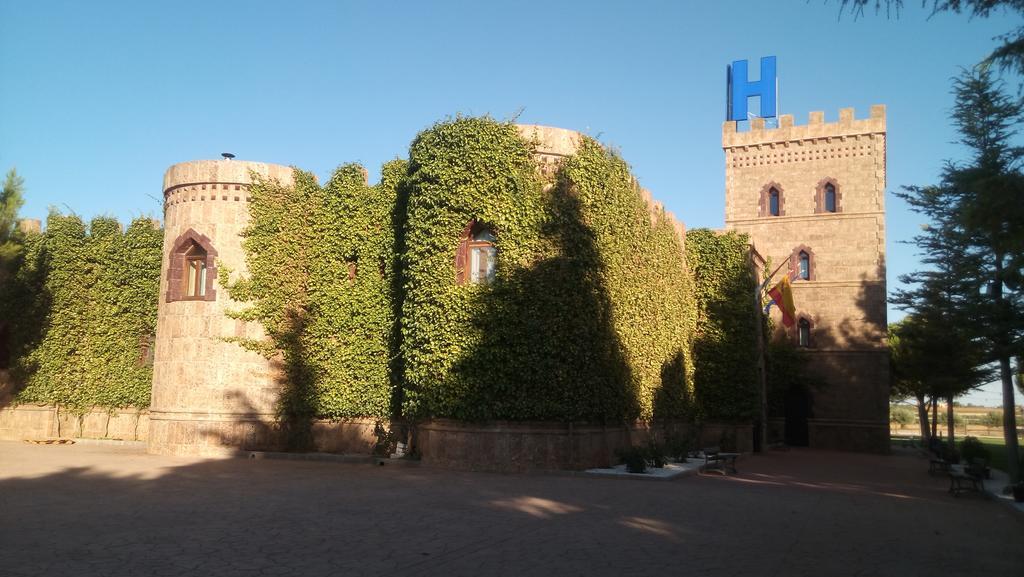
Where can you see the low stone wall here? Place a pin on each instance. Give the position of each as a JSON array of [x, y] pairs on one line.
[[223, 434], [524, 446], [39, 422], [849, 435]]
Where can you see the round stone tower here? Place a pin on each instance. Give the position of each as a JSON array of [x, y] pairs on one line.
[[209, 396]]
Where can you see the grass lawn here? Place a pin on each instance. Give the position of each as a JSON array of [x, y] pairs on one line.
[[997, 448]]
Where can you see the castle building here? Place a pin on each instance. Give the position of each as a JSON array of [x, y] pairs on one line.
[[812, 198], [209, 394]]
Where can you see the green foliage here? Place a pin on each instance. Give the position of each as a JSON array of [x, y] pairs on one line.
[[725, 347], [900, 415], [590, 314], [972, 448], [10, 202], [634, 458], [86, 311], [992, 420], [320, 266]]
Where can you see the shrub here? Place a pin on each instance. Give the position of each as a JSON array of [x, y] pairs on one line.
[[634, 458], [972, 448]]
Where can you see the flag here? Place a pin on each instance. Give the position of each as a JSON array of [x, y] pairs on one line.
[[782, 294]]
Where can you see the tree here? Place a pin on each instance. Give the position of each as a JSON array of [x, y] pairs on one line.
[[931, 357], [10, 203], [901, 415], [973, 243], [1009, 55]]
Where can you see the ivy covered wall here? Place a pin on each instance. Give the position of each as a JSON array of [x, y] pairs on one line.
[[725, 345], [594, 314], [320, 269], [590, 315], [82, 313]]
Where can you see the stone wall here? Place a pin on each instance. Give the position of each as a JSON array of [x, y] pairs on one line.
[[40, 422], [208, 394], [845, 299], [506, 446]]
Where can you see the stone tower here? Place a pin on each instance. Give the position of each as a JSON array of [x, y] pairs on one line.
[[813, 197], [209, 396]]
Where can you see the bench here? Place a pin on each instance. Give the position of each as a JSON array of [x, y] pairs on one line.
[[715, 459], [938, 465], [963, 480]]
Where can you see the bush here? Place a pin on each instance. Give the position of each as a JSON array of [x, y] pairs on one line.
[[972, 448], [634, 458], [656, 454]]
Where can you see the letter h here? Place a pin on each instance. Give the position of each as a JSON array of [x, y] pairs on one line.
[[740, 89]]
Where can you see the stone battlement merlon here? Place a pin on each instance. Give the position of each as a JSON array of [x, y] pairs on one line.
[[815, 128]]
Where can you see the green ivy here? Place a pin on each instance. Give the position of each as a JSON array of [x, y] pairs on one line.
[[725, 347], [320, 266], [591, 313], [87, 311]]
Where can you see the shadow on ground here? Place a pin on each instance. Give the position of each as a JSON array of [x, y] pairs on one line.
[[89, 510]]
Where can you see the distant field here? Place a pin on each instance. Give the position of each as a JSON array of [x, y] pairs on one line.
[[995, 445]]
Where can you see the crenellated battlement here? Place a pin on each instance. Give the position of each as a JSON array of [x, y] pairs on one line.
[[816, 128]]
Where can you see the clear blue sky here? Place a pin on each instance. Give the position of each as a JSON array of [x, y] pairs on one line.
[[99, 98]]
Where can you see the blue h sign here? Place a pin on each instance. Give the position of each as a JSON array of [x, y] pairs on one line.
[[740, 89]]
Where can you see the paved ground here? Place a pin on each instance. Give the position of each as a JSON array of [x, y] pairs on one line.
[[90, 510]]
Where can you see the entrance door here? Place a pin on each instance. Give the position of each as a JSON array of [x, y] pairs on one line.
[[798, 410]]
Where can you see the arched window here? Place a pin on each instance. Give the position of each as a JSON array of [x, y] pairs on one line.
[[772, 200], [192, 269], [477, 255], [830, 198], [827, 196], [195, 272], [801, 264], [803, 333], [482, 257]]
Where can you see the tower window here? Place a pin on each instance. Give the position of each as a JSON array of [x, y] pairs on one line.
[[803, 333], [830, 198], [195, 272], [477, 255], [772, 200], [827, 196], [192, 269], [801, 264], [482, 257]]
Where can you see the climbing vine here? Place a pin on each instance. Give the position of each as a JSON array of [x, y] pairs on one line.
[[725, 346], [87, 313], [320, 264], [590, 313]]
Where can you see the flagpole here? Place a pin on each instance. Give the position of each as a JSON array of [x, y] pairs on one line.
[[762, 376]]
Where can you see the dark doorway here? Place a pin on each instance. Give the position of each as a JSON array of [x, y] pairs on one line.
[[5, 347], [798, 410]]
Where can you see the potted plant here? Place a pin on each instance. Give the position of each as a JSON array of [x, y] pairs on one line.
[[1018, 491]]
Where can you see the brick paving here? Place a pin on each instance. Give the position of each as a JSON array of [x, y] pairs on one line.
[[88, 510]]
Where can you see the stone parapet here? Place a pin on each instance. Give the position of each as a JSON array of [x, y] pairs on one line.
[[816, 128]]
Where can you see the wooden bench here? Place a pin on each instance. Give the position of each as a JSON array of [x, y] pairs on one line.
[[715, 459]]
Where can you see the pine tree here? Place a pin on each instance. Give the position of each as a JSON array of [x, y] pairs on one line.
[[10, 203], [974, 245]]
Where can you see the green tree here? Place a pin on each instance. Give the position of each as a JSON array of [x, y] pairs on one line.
[[10, 203], [1009, 55], [901, 415], [973, 245], [931, 357]]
